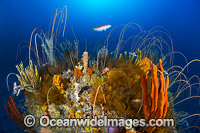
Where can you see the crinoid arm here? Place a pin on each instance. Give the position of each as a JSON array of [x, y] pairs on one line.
[[28, 78]]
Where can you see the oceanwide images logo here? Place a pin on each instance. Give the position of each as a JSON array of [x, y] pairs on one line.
[[45, 121], [96, 122]]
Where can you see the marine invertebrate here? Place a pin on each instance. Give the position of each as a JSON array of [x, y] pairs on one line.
[[158, 94], [45, 130], [14, 114], [69, 53], [85, 62], [78, 73], [48, 46], [138, 59], [122, 85], [131, 57], [57, 81], [145, 64], [118, 87], [90, 71], [154, 56], [105, 70], [29, 78], [101, 56]]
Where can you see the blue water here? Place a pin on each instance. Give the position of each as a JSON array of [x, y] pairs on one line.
[[18, 18]]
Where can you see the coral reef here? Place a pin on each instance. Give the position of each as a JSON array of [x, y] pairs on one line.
[[87, 92], [129, 85]]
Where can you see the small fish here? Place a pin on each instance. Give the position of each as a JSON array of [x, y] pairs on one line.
[[131, 53], [102, 27], [14, 86], [137, 100], [113, 52], [166, 72], [105, 70], [45, 64], [187, 124]]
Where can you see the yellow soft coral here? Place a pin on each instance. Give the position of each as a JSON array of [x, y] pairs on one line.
[[44, 108], [57, 81]]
